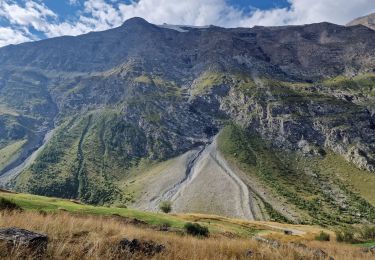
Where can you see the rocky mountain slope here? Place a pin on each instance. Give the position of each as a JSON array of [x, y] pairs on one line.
[[368, 21], [127, 102]]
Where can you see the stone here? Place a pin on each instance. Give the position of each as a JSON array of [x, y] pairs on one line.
[[18, 237], [135, 246], [249, 253], [369, 250], [272, 243], [288, 232], [320, 254]]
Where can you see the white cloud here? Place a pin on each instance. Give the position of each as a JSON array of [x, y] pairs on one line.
[[11, 36], [193, 12], [311, 11], [97, 15], [32, 14]]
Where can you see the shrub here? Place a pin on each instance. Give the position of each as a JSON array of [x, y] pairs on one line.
[[345, 236], [362, 234], [164, 226], [195, 229], [6, 204], [367, 233], [323, 236], [166, 206], [42, 212]]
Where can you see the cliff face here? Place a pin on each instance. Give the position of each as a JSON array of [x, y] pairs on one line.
[[143, 92]]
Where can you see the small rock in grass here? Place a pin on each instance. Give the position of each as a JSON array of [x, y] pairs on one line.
[[270, 242], [148, 248], [288, 232], [369, 249]]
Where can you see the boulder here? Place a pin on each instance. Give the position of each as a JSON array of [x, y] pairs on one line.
[[17, 237]]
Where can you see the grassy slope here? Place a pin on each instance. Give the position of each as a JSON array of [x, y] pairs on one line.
[[363, 84], [89, 237], [361, 181], [85, 158], [216, 224], [99, 229], [291, 177]]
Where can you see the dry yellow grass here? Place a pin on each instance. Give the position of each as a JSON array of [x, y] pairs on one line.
[[89, 237]]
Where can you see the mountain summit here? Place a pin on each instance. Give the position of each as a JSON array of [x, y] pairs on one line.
[[368, 21], [260, 123]]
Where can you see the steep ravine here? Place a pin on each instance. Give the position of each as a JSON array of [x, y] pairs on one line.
[[7, 177], [80, 175]]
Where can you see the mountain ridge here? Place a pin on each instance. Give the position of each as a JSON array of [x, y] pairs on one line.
[[141, 94], [368, 21]]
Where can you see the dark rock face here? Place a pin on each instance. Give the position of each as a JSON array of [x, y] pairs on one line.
[[142, 91], [16, 237]]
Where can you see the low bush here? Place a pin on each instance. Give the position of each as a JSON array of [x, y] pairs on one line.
[[195, 229], [356, 235], [6, 204], [345, 235], [166, 206], [367, 233], [323, 236]]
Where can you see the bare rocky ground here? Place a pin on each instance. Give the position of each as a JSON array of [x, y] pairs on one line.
[[202, 181]]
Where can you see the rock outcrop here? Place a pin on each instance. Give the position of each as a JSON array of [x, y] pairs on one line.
[[24, 240]]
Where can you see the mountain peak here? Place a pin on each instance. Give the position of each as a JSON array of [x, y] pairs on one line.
[[135, 21], [368, 21]]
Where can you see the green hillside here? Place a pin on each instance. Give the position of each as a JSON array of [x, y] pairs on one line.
[[318, 186]]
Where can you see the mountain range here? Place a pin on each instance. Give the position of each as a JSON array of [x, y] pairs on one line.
[[258, 123]]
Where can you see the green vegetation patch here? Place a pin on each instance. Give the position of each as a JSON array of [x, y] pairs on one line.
[[302, 181], [364, 83], [52, 205], [206, 81]]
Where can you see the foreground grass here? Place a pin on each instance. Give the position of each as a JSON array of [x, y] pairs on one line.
[[46, 204], [216, 224], [74, 236]]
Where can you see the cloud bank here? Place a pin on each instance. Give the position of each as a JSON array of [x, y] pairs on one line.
[[25, 17]]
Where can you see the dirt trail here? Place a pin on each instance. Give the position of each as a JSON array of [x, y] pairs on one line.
[[292, 230]]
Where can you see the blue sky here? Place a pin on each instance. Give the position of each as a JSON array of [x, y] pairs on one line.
[[29, 20]]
